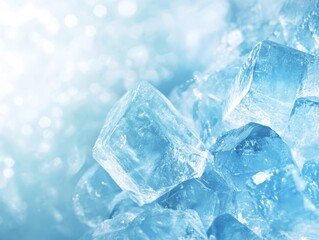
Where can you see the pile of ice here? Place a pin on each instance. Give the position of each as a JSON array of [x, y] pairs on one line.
[[63, 64], [232, 155]]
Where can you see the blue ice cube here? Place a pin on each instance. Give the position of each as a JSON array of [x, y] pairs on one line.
[[310, 173], [302, 132], [242, 153], [267, 86], [226, 227], [146, 147], [259, 165], [156, 223], [93, 195], [196, 195]]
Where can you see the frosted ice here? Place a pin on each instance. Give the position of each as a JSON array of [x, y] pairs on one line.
[[146, 147], [267, 86]]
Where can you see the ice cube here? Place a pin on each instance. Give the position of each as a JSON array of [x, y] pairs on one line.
[[226, 227], [242, 153], [267, 86], [196, 195], [259, 165], [302, 132], [146, 147]]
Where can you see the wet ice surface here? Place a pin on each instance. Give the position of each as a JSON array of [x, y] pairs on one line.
[[64, 64]]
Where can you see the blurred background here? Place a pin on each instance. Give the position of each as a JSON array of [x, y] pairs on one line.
[[63, 64]]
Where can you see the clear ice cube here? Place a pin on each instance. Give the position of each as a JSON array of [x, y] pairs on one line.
[[267, 86], [259, 165], [146, 147]]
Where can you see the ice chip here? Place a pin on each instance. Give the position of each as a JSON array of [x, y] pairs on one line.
[[226, 227], [146, 147], [267, 86]]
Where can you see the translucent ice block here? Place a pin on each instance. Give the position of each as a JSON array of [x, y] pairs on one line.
[[146, 147], [226, 227], [302, 132], [267, 86], [242, 153], [259, 165]]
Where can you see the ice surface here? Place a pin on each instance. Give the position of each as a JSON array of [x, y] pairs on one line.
[[146, 147], [259, 165], [267, 86], [310, 173], [302, 132], [201, 101], [226, 227], [197, 195], [256, 20], [156, 224], [300, 24], [242, 153], [93, 196], [305, 229]]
